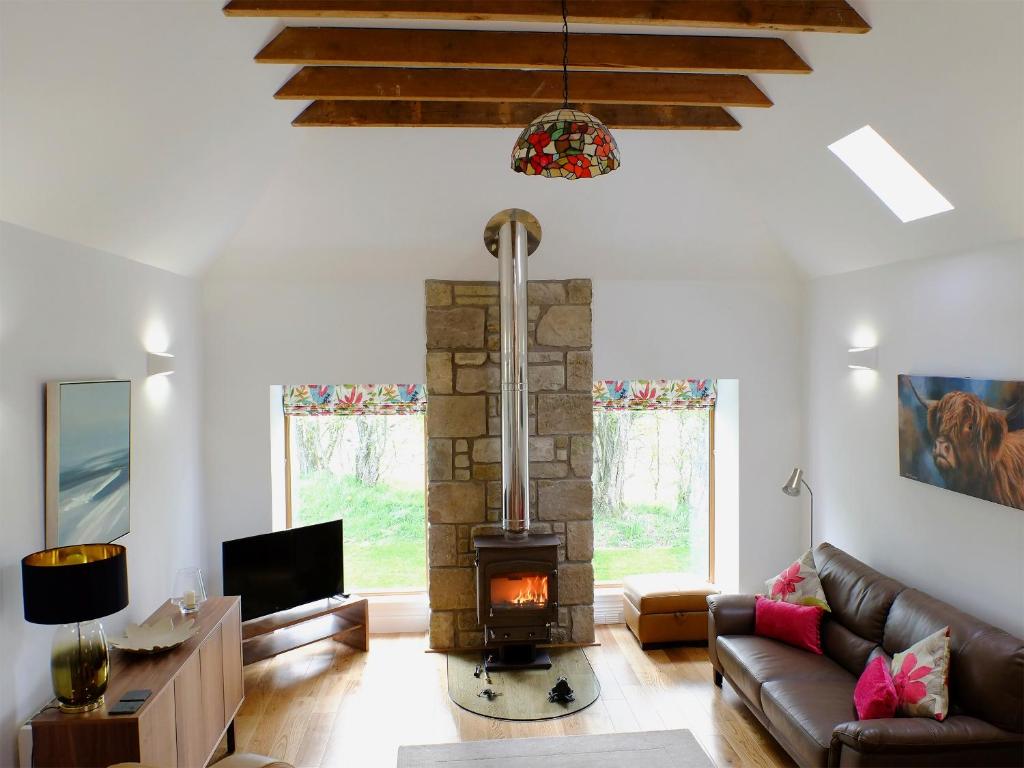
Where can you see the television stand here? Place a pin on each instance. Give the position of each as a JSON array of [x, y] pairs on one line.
[[343, 618]]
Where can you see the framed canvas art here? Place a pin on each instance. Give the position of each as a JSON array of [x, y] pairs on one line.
[[88, 461], [965, 435]]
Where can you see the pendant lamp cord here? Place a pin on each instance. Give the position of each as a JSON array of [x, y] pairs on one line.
[[565, 54]]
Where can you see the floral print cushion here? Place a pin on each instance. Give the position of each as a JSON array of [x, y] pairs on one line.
[[921, 677], [798, 584]]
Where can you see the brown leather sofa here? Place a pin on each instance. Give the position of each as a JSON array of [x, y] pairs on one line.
[[806, 701]]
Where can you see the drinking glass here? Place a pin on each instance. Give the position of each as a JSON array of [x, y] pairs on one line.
[[189, 590]]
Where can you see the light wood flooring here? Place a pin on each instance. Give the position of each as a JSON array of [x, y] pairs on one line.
[[326, 705]]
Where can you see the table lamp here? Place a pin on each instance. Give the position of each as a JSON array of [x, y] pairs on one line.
[[74, 587]]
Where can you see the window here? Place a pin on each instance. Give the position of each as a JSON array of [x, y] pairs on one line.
[[359, 456], [897, 183], [653, 478]]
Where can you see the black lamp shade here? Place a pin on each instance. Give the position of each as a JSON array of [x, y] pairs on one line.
[[77, 583]]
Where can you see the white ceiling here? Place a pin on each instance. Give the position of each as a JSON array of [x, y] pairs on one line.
[[144, 128]]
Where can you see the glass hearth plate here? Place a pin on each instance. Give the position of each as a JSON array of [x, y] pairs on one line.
[[522, 694]]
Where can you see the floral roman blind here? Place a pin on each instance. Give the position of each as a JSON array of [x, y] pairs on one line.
[[354, 399], [661, 394]]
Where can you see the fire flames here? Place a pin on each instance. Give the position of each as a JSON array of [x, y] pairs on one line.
[[519, 589]]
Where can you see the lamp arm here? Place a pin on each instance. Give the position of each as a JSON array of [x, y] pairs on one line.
[[812, 509]]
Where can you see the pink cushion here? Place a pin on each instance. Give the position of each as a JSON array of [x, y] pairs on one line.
[[920, 675], [798, 625], [875, 695]]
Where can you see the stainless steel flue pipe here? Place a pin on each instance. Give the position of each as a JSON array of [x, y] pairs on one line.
[[511, 236]]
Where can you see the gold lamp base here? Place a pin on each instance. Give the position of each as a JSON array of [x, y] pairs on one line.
[[73, 709], [71, 587], [80, 666]]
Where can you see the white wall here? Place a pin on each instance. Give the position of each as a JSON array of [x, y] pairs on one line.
[[261, 332], [68, 312], [959, 316], [746, 331], [727, 486]]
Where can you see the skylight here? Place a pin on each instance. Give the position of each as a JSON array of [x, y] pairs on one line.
[[896, 182]]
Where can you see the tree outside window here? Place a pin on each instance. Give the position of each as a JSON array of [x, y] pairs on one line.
[[367, 470], [652, 483]]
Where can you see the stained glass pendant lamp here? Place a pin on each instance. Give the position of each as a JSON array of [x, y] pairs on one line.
[[565, 143]]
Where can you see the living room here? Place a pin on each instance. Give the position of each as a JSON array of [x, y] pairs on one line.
[[615, 377]]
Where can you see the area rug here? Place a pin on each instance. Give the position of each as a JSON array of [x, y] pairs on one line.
[[652, 749], [523, 694]]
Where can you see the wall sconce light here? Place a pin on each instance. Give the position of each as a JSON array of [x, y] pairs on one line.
[[159, 364], [862, 358]]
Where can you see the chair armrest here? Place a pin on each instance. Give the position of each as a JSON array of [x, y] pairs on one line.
[[727, 615], [250, 760], [921, 734], [730, 615]]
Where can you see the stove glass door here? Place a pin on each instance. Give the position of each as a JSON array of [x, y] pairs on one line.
[[519, 589]]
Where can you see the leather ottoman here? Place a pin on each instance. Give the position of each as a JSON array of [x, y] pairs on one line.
[[666, 607]]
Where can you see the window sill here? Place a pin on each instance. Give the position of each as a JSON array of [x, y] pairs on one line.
[[376, 593]]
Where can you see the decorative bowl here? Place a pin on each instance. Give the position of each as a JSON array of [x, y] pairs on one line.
[[160, 636]]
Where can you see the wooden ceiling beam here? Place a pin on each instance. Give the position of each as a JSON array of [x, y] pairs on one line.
[[490, 85], [529, 50], [478, 114], [788, 15]]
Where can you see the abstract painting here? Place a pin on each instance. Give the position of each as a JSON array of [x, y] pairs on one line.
[[88, 461], [965, 435]]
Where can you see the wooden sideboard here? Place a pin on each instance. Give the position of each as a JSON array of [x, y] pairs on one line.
[[197, 690]]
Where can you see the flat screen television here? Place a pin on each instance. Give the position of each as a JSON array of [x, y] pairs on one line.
[[277, 571]]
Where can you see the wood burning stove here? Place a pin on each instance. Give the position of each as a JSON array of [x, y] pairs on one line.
[[517, 572], [517, 597]]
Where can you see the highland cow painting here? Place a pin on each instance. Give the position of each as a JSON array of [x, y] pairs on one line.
[[965, 435]]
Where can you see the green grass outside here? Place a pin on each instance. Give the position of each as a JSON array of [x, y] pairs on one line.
[[398, 565], [640, 526], [385, 532], [613, 564], [385, 537], [639, 538], [378, 514], [403, 564]]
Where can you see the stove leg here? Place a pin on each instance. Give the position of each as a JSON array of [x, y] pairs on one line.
[[513, 657]]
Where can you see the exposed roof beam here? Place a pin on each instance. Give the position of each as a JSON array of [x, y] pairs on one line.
[[529, 50], [791, 15], [385, 83], [479, 114]]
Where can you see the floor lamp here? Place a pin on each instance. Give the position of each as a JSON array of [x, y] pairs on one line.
[[792, 488]]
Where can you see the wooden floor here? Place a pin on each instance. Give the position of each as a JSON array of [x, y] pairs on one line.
[[326, 705]]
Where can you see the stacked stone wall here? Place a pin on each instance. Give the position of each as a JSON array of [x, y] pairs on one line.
[[464, 446]]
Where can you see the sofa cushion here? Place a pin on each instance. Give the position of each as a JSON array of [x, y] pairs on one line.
[[859, 596], [805, 712], [797, 625], [875, 695], [986, 667], [848, 648], [921, 677], [798, 583], [750, 662]]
